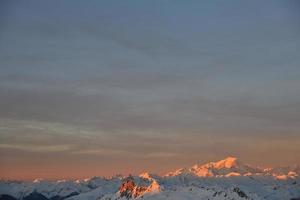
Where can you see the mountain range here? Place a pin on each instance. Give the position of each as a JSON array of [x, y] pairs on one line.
[[231, 166], [225, 179]]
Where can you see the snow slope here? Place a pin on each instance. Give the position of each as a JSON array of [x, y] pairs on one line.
[[231, 166]]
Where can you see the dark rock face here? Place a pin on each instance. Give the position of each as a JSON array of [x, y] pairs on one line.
[[63, 197], [35, 196], [127, 188], [240, 192], [139, 191], [7, 197]]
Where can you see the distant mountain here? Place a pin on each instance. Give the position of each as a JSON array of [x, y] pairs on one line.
[[232, 166]]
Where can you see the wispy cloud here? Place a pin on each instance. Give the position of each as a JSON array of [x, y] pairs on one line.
[[116, 152], [162, 155], [37, 148], [101, 152]]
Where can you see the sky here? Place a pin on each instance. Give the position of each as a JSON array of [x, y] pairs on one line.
[[97, 88]]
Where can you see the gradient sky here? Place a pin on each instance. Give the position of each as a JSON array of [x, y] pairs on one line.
[[104, 87]]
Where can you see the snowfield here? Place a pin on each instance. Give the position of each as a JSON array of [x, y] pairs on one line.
[[225, 179]]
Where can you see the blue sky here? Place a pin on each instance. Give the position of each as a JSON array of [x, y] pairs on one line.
[[172, 81]]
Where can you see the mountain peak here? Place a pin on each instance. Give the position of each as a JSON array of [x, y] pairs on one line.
[[230, 166], [231, 158], [145, 175], [229, 162]]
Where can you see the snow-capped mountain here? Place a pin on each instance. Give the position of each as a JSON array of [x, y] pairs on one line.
[[224, 179], [232, 166]]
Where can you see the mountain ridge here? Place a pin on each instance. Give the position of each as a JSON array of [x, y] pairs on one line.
[[232, 166], [224, 179]]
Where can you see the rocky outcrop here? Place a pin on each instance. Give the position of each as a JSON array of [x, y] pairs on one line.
[[129, 189]]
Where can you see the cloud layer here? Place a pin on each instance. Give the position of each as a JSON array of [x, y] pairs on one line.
[[159, 81]]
